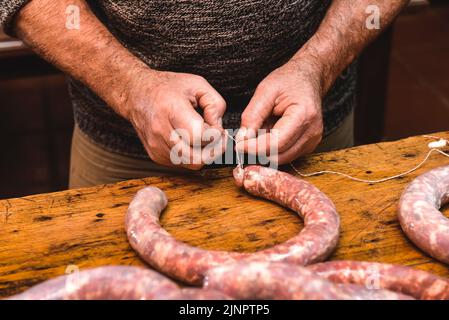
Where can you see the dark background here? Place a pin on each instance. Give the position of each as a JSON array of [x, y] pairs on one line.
[[403, 91]]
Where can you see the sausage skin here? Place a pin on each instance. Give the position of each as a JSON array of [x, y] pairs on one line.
[[199, 294], [115, 283], [419, 213], [189, 264], [416, 283], [319, 237], [282, 281], [104, 283], [363, 293]]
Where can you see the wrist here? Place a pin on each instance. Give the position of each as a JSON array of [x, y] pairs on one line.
[[135, 79], [311, 71], [319, 64]]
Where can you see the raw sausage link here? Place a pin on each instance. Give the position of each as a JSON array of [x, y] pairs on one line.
[[319, 237], [199, 294], [416, 283], [419, 213], [363, 293], [157, 247], [189, 264], [275, 280], [115, 283]]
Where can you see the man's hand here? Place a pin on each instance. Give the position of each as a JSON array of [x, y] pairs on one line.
[[155, 102], [161, 102], [294, 91], [287, 103]]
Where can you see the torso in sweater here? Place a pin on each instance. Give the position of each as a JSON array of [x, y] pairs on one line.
[[234, 44]]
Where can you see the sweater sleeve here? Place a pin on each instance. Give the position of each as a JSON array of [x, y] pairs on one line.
[[8, 10]]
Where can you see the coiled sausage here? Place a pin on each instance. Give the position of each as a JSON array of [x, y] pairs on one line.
[[275, 280], [419, 213], [115, 283], [416, 283], [187, 263], [103, 283]]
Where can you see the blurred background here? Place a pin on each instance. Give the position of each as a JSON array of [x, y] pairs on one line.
[[403, 91]]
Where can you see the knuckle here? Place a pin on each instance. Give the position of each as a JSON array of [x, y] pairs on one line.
[[200, 79], [262, 86], [157, 129], [310, 110], [220, 101], [152, 145]]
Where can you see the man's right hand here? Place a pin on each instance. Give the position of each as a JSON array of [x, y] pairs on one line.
[[158, 103], [155, 102]]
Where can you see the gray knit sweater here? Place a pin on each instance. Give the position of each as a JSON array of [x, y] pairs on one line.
[[234, 44]]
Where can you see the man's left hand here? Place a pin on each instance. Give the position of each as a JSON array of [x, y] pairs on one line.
[[289, 101]]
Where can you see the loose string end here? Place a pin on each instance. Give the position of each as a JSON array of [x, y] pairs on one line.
[[433, 148]]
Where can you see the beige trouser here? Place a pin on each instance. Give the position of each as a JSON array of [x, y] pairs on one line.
[[92, 165]]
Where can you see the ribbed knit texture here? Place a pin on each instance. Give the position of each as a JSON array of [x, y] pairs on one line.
[[234, 44], [8, 9]]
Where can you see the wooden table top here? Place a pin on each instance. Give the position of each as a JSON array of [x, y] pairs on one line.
[[41, 236]]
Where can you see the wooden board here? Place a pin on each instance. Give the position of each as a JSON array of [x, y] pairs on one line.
[[42, 236]]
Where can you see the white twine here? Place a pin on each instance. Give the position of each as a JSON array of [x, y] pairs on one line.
[[432, 150], [239, 160]]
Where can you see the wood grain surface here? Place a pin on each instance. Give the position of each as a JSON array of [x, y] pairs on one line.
[[44, 235]]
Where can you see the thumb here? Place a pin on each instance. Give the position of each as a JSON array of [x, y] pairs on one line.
[[257, 112]]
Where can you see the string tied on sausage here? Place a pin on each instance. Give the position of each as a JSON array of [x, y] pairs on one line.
[[434, 148], [238, 154]]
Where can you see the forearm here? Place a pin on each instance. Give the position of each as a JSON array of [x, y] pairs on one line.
[[341, 37], [90, 54]]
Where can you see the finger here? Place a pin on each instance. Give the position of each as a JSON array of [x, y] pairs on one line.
[[259, 145], [216, 148], [199, 155], [167, 147], [186, 156], [212, 103], [194, 158], [188, 138], [186, 118], [244, 133], [284, 134], [258, 110], [153, 141], [303, 146], [289, 128], [162, 130], [159, 152], [270, 122]]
